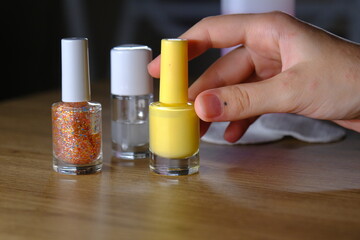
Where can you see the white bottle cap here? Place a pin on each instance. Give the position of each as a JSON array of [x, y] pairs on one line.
[[129, 75], [75, 70]]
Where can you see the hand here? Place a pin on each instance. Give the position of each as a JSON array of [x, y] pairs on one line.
[[284, 65]]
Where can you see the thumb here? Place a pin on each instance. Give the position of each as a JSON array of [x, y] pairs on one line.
[[235, 102]]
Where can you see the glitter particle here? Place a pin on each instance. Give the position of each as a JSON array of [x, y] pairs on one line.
[[75, 138]]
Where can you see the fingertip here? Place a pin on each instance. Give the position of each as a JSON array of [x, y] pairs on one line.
[[204, 126], [154, 67], [235, 130], [208, 106], [231, 137], [192, 92]]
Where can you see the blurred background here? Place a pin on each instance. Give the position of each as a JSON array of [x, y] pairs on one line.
[[33, 30]]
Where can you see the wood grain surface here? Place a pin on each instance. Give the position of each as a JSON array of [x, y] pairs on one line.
[[282, 190]]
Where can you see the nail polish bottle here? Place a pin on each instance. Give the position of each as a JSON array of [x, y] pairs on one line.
[[174, 125], [76, 122], [131, 94]]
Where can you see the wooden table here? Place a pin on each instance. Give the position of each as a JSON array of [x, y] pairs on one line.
[[283, 190]]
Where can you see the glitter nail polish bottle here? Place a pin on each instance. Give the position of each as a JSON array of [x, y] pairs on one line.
[[76, 122], [131, 94]]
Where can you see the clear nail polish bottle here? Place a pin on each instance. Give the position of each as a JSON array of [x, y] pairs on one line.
[[76, 122], [132, 92]]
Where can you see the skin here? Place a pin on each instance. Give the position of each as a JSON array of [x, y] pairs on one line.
[[282, 66]]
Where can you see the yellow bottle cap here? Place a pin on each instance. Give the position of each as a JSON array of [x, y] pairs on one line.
[[174, 71]]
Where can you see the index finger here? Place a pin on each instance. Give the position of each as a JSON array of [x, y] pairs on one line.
[[219, 32]]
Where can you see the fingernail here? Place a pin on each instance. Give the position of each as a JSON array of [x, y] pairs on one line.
[[210, 106]]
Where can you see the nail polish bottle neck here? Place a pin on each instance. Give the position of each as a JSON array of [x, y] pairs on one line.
[[174, 71]]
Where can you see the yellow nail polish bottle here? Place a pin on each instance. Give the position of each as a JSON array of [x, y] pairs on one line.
[[173, 123]]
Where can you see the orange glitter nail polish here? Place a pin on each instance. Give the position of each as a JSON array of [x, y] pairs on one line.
[[76, 122]]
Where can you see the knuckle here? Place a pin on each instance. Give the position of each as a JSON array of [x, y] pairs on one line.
[[242, 100], [206, 20], [279, 21], [218, 79], [279, 17], [289, 92]]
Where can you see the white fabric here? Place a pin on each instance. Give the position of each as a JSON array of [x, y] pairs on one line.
[[275, 126]]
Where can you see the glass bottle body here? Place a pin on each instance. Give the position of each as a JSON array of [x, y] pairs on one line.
[[77, 137], [174, 139], [130, 126]]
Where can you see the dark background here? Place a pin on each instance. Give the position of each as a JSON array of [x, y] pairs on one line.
[[32, 31]]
